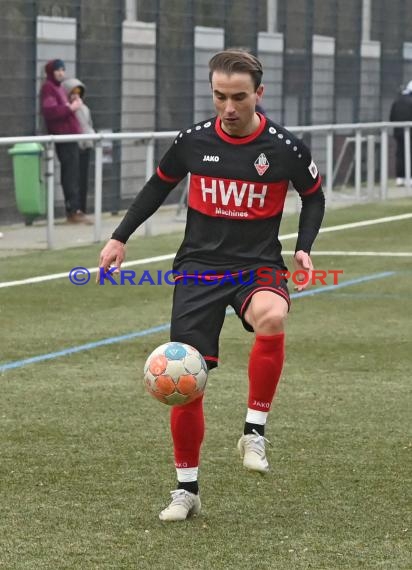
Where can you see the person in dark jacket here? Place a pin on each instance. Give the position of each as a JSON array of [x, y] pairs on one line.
[[401, 110], [60, 119]]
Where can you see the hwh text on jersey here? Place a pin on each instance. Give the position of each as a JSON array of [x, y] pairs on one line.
[[225, 197], [243, 194]]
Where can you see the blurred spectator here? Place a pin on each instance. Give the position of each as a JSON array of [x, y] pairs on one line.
[[75, 89], [60, 119], [401, 110]]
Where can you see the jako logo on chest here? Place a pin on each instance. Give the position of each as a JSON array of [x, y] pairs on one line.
[[210, 158]]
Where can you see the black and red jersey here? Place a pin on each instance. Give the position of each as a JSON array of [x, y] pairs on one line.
[[236, 195]]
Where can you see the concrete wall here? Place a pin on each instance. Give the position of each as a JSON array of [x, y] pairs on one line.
[[323, 81], [407, 62], [56, 39], [138, 99], [370, 86], [208, 41], [270, 52]]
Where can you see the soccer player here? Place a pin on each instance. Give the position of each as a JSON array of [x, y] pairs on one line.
[[240, 165]]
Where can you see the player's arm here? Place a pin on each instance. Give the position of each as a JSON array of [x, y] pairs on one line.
[[308, 183], [310, 219]]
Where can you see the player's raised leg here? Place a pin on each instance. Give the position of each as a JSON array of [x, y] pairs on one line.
[[266, 313], [197, 318]]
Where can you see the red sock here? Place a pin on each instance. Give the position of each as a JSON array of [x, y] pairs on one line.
[[265, 367], [188, 427]]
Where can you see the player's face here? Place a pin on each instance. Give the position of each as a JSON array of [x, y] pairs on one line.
[[59, 74], [235, 100]]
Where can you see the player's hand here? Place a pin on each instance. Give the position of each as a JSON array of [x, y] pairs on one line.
[[303, 262], [113, 254]]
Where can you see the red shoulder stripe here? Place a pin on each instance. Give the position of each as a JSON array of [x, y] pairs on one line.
[[166, 178]]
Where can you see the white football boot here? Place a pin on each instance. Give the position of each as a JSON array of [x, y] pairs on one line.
[[252, 450], [183, 505]]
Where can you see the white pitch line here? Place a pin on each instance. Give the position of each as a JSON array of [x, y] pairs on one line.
[[91, 270], [358, 253], [147, 260], [356, 225]]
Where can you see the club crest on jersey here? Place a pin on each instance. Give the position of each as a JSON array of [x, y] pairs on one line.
[[261, 164]]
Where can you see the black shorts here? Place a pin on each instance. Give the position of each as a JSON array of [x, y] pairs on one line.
[[199, 308]]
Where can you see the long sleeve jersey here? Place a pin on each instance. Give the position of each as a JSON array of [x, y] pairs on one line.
[[236, 197]]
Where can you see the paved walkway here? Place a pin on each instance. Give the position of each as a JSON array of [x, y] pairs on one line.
[[18, 238]]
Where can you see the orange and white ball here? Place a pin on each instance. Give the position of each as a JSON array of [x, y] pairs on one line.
[[175, 374]]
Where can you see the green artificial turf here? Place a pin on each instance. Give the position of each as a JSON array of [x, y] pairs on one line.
[[86, 460]]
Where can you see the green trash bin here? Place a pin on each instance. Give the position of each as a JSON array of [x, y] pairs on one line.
[[28, 181]]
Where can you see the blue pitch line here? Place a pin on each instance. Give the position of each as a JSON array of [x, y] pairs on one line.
[[80, 348], [372, 296], [161, 328]]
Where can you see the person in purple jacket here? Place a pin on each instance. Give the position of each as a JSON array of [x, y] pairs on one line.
[[60, 119]]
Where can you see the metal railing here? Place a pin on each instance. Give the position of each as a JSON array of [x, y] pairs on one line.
[[329, 130]]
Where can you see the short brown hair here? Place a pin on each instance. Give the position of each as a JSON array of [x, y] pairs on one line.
[[236, 61]]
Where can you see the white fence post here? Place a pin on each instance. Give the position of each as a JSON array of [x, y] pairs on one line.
[[384, 163], [407, 137], [50, 193], [149, 173], [98, 186], [371, 166], [358, 163], [329, 166]]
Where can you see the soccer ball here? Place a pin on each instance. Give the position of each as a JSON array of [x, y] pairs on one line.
[[175, 373]]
